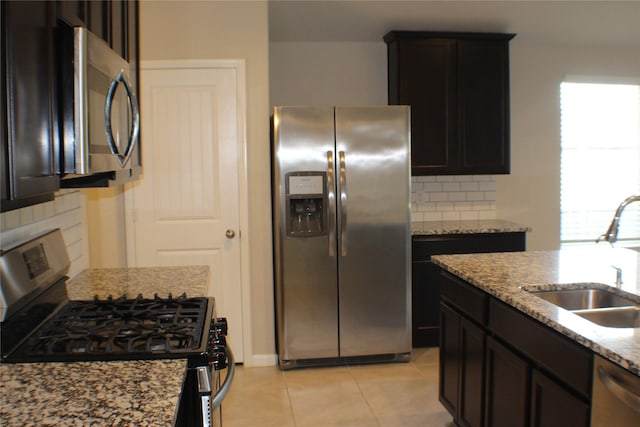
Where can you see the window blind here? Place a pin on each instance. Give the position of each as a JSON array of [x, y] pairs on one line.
[[600, 159]]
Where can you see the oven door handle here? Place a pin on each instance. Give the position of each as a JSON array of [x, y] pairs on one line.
[[228, 379]]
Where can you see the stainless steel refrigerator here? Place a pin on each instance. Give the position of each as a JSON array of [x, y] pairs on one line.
[[341, 212]]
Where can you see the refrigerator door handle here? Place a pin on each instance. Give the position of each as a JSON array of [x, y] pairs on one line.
[[343, 204], [332, 200]]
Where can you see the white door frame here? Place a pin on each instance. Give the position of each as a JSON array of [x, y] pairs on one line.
[[239, 65]]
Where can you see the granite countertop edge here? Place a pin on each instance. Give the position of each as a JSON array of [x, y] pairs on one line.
[[506, 285], [487, 226], [144, 393]]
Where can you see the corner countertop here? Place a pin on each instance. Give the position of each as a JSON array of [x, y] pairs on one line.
[[123, 393], [502, 275], [482, 226]]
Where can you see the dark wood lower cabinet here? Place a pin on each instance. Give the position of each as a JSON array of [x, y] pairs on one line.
[[461, 367], [501, 368], [507, 387], [449, 357], [472, 346], [425, 282], [554, 406]]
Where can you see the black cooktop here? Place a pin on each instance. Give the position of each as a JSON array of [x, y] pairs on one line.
[[110, 329]]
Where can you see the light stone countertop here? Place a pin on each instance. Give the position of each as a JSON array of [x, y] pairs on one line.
[[482, 226], [502, 275], [115, 393]]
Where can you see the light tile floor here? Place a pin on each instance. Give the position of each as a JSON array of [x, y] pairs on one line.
[[381, 395]]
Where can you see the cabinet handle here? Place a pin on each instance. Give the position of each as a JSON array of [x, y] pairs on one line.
[[332, 200], [616, 387], [134, 132]]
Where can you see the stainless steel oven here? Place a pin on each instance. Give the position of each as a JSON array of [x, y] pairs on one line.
[[101, 118], [40, 324]]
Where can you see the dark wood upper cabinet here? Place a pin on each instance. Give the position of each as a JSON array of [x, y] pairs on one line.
[[457, 85], [32, 110], [30, 139]]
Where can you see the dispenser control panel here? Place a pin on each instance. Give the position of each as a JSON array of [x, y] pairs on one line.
[[310, 184]]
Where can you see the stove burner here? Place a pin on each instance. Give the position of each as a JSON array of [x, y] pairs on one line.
[[123, 326]]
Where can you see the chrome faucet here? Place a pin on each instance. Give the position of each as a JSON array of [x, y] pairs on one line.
[[611, 234]]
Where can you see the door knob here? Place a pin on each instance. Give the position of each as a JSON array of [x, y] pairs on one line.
[[230, 234]]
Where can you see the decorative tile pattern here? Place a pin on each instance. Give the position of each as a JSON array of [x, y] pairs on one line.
[[118, 393], [453, 197], [503, 274]]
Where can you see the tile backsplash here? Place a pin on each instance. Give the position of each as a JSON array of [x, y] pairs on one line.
[[447, 198], [68, 211]]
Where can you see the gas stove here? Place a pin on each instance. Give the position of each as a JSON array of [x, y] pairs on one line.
[[40, 324]]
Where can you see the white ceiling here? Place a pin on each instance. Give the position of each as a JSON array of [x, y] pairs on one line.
[[588, 23]]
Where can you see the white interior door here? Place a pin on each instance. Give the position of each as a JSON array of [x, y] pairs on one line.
[[185, 209]]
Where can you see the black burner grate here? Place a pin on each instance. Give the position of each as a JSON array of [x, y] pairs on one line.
[[122, 326]]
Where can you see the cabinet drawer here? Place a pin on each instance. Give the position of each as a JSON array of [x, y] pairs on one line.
[[567, 361], [423, 247], [470, 300]]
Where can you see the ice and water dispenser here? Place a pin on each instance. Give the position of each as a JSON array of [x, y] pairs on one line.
[[306, 197]]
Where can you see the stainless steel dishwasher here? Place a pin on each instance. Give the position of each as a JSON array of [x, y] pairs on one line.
[[616, 395]]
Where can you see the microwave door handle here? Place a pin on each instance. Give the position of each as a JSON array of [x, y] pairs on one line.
[[135, 113]]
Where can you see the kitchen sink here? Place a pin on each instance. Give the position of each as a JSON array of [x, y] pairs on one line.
[[627, 317], [598, 303], [587, 298]]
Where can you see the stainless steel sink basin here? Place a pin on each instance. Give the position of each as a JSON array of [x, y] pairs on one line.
[[588, 298], [598, 303], [628, 317]]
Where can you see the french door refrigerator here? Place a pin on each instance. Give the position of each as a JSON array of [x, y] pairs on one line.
[[341, 212]]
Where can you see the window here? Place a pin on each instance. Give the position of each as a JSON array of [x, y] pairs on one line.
[[600, 159]]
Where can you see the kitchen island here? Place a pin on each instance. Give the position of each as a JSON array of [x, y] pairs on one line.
[[114, 393], [502, 275], [510, 357]]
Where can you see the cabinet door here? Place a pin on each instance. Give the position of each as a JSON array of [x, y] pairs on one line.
[[425, 300], [472, 350], [29, 135], [449, 358], [554, 406], [507, 387], [483, 84], [422, 75], [99, 18]]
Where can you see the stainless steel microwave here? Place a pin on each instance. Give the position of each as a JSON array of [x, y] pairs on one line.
[[101, 117]]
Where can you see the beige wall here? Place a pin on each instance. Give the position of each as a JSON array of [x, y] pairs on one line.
[[531, 194], [106, 225], [230, 30]]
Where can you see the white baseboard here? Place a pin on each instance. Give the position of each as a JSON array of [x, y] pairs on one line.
[[257, 360]]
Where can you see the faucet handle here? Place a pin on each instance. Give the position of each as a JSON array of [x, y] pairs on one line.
[[618, 276]]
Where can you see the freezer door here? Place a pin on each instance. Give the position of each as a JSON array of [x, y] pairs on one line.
[[373, 163], [305, 265]]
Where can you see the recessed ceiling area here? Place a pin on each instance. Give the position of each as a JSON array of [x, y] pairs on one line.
[[587, 23]]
